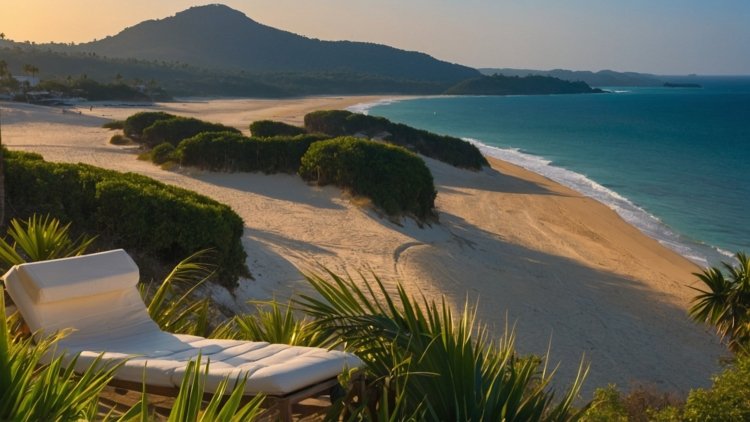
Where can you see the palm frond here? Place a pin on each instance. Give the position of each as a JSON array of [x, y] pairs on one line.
[[179, 312], [455, 371], [725, 303], [40, 239]]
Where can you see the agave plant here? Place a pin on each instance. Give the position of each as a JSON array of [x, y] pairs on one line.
[[39, 239], [454, 371], [274, 323], [179, 312], [726, 302], [32, 390]]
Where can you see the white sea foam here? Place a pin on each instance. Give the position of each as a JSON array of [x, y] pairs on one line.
[[364, 108], [649, 224]]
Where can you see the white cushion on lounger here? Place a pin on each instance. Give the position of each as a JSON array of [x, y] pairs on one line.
[[69, 278], [111, 320]]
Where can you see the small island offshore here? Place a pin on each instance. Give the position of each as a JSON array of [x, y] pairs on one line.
[[681, 85]]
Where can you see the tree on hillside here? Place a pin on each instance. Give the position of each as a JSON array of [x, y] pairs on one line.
[[2, 35], [30, 70], [726, 303]]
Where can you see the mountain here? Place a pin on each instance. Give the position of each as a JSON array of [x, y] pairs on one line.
[[218, 37], [601, 78]]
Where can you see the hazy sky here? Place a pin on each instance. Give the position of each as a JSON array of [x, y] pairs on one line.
[[658, 36]]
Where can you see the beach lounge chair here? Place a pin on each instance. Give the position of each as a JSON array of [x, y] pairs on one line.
[[97, 296]]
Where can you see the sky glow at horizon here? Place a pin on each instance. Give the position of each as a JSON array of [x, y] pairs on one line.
[[665, 37]]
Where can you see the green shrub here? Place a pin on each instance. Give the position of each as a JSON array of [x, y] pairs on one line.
[[727, 400], [176, 129], [119, 139], [114, 125], [451, 150], [268, 128], [162, 153], [394, 179], [228, 151], [129, 210], [137, 123]]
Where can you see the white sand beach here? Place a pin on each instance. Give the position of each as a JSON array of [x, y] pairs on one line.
[[561, 267]]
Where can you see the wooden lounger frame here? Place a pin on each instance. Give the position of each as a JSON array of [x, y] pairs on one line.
[[282, 403]]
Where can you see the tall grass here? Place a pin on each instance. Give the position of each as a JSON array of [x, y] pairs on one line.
[[429, 361]]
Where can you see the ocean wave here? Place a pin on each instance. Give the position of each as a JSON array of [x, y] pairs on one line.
[[364, 108], [647, 223]]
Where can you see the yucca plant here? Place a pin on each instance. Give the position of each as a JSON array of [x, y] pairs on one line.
[[455, 371], [39, 239], [178, 312], [274, 323], [726, 302], [33, 391]]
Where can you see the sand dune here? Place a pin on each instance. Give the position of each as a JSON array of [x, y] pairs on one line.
[[530, 251]]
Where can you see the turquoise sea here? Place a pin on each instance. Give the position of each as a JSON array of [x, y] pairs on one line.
[[674, 162]]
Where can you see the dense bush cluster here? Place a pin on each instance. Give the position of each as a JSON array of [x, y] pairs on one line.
[[162, 153], [395, 179], [176, 129], [451, 150], [118, 139], [130, 210], [728, 399], [229, 151], [137, 123], [268, 128]]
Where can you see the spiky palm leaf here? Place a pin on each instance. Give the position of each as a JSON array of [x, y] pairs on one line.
[[274, 323], [39, 239], [455, 371], [725, 303], [178, 312], [34, 391]]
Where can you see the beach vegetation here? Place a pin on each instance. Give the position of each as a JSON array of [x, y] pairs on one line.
[[174, 304], [274, 322], [120, 139], [396, 180], [138, 122], [114, 125], [724, 302], [38, 390], [449, 149], [33, 390], [423, 359], [268, 128], [162, 153], [230, 151], [154, 221], [728, 399], [93, 90], [39, 239], [176, 129]]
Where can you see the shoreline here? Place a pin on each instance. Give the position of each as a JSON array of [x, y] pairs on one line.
[[564, 267], [696, 251]]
